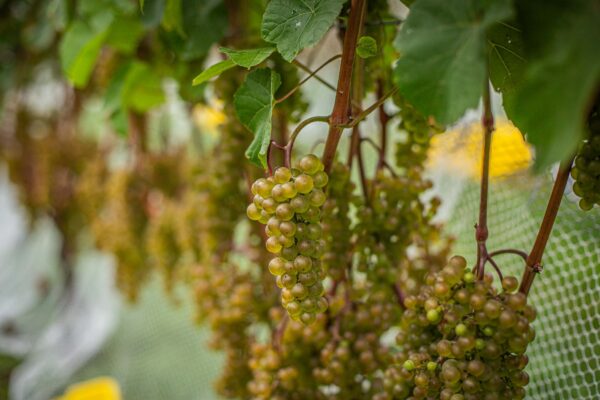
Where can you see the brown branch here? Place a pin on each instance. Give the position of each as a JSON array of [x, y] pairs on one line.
[[317, 77], [339, 115], [481, 229], [137, 135], [533, 264], [311, 75], [520, 253], [383, 122]]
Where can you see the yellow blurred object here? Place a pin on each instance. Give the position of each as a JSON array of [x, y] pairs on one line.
[[102, 388], [460, 151], [209, 117]]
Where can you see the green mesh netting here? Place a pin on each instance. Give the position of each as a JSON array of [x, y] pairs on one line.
[[565, 356], [158, 353]]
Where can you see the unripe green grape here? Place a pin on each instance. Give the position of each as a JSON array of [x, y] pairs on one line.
[[286, 241], [314, 232], [289, 190], [320, 179], [257, 200], [510, 283], [433, 316], [287, 228], [284, 212], [273, 246], [269, 205], [307, 318], [469, 277], [303, 263], [293, 308], [317, 197], [300, 204], [299, 291], [310, 164], [278, 193], [461, 329], [304, 184], [273, 224], [282, 175], [253, 212], [409, 365], [313, 214], [277, 266], [289, 253]]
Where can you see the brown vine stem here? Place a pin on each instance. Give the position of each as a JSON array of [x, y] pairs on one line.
[[137, 135], [383, 122], [339, 114], [287, 149], [311, 75], [317, 77], [533, 264], [481, 229], [364, 114]]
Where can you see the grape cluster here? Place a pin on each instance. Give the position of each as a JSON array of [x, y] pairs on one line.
[[289, 204], [286, 370], [462, 339], [386, 226], [586, 170], [336, 222]]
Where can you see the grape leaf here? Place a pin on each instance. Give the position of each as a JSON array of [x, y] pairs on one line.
[[80, 48], [153, 13], [367, 47], [551, 104], [253, 103], [142, 88], [124, 34], [243, 58], [173, 17], [212, 71], [204, 23], [506, 56], [442, 45], [295, 24], [248, 58]]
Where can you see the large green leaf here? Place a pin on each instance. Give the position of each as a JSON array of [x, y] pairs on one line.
[[295, 24], [125, 33], [243, 58], [551, 105], [80, 48], [506, 56], [173, 17], [254, 107], [212, 71], [204, 23], [142, 88], [248, 58], [442, 45]]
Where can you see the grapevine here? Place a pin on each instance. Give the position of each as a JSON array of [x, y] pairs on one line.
[[183, 140]]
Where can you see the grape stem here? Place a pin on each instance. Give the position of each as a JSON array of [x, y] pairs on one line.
[[481, 229], [517, 252], [339, 114], [317, 77], [137, 134], [364, 114], [277, 334], [311, 75], [383, 122], [533, 263]]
